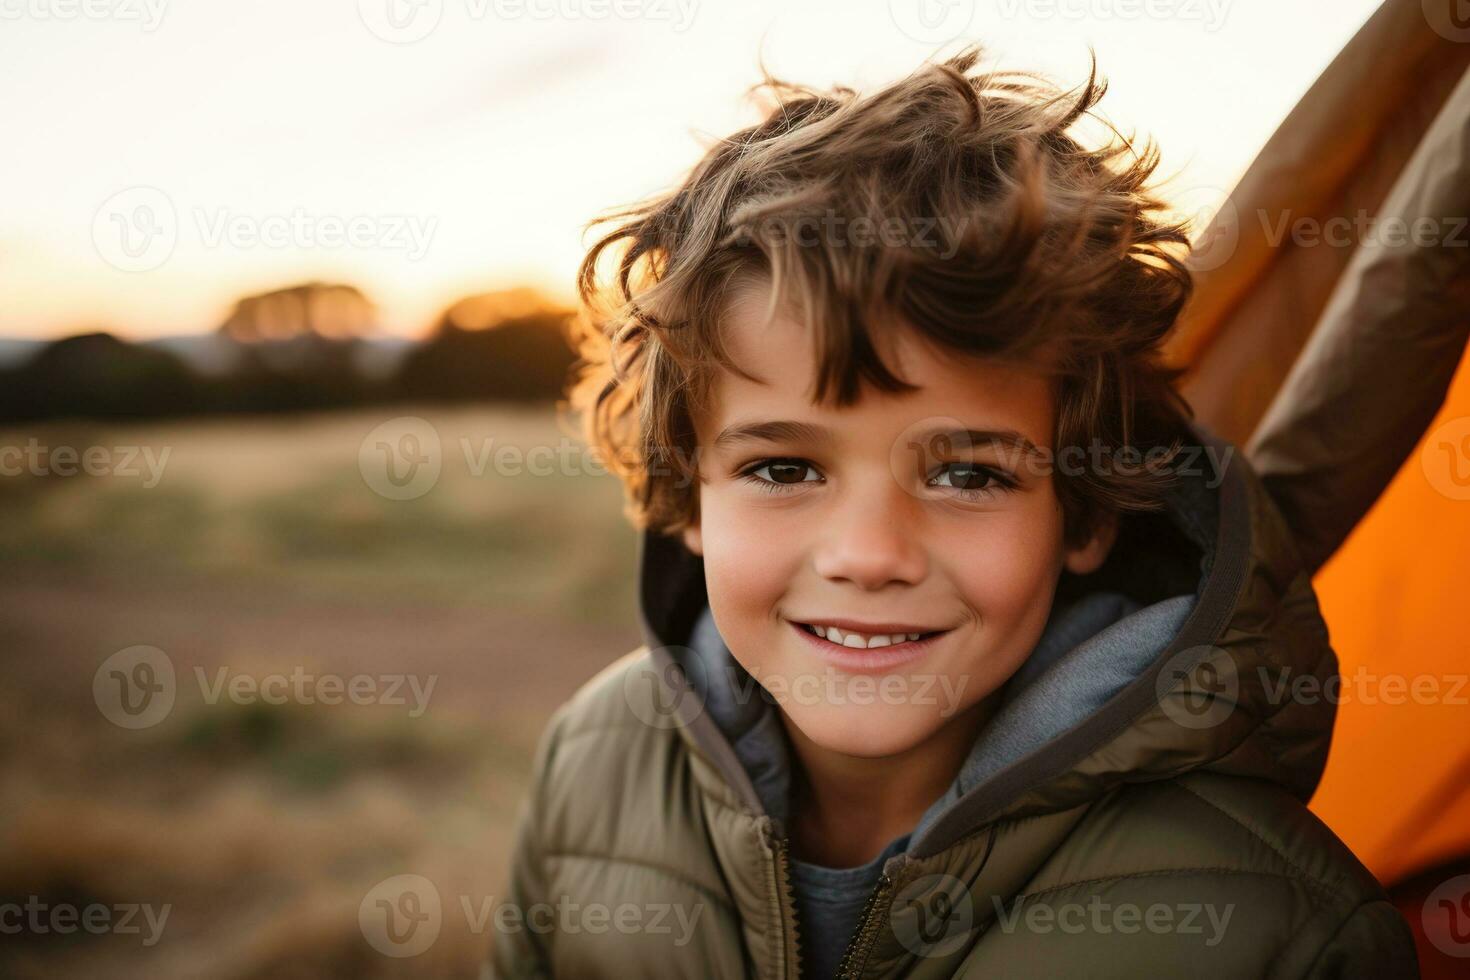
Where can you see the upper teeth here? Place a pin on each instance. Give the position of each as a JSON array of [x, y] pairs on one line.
[[850, 638]]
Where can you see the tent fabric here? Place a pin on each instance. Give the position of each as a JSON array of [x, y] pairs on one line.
[[1338, 152], [1336, 368], [1378, 365]]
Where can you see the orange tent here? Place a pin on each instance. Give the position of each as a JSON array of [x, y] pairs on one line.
[[1332, 351]]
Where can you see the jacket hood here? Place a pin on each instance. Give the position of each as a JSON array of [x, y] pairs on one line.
[[1171, 657]]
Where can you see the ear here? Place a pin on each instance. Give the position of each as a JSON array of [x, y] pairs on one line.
[[693, 540], [1089, 556]]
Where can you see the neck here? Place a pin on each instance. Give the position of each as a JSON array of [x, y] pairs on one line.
[[845, 809]]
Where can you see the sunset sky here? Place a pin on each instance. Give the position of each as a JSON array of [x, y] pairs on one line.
[[164, 159]]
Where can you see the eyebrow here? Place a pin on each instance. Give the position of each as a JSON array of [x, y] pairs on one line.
[[783, 430]]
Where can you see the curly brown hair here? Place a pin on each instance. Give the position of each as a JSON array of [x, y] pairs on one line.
[[1035, 246]]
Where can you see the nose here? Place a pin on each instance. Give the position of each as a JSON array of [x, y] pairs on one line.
[[871, 539]]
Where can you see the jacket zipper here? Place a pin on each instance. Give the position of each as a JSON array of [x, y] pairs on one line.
[[855, 957], [786, 906], [867, 929]]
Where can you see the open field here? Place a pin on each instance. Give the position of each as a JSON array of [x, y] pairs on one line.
[[262, 552]]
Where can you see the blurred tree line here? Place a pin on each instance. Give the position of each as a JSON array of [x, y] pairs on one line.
[[305, 347]]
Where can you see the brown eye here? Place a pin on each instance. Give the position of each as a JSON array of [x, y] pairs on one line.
[[786, 472], [973, 479], [778, 475], [969, 478]]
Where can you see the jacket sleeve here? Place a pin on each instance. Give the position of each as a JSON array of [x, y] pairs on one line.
[[522, 953], [1376, 369], [1373, 942]]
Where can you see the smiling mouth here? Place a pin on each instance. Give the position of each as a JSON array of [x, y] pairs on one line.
[[881, 653], [855, 640]]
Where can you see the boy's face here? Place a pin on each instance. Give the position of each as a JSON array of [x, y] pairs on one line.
[[866, 518]]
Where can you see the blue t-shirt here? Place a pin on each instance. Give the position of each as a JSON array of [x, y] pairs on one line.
[[829, 902]]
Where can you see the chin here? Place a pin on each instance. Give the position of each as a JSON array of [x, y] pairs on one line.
[[867, 731]]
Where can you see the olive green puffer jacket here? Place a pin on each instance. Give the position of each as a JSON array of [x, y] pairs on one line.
[[1164, 834]]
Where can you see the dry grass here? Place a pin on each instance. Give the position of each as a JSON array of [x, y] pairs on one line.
[[262, 551]]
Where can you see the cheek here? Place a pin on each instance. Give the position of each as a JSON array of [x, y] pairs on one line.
[[1005, 565], [748, 562]]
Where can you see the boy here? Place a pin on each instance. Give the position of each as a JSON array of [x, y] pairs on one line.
[[962, 636]]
